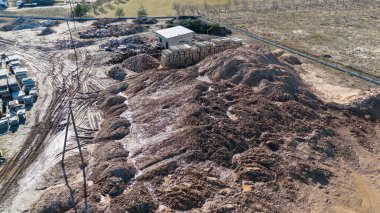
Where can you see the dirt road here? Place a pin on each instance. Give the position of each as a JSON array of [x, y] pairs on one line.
[[55, 73]]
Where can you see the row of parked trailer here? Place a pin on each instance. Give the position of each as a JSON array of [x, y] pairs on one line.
[[17, 90]]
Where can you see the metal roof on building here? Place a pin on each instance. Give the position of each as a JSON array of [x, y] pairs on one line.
[[174, 32]]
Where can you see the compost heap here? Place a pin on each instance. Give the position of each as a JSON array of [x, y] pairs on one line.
[[239, 132]]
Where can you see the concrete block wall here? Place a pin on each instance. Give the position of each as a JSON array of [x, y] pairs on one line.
[[186, 55]]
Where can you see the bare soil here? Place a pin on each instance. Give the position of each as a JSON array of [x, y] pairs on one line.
[[284, 149], [242, 131]]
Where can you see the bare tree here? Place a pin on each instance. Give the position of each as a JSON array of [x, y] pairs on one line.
[[274, 5], [206, 7], [245, 4], [177, 8], [227, 6], [254, 6], [193, 9]]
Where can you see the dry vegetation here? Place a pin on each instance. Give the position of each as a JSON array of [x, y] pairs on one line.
[[154, 7], [326, 28], [56, 11]]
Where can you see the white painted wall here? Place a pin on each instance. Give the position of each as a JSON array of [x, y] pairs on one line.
[[182, 39]]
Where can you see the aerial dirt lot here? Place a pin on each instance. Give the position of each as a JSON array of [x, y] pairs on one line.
[[245, 130]]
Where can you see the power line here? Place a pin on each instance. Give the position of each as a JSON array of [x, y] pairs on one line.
[[71, 93]]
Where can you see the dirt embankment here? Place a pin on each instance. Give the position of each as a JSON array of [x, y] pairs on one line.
[[252, 138]]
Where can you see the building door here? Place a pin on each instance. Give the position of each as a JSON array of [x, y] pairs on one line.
[[167, 45]]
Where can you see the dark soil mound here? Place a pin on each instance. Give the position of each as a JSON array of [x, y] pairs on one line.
[[117, 73], [111, 91], [111, 172], [6, 27], [113, 129], [290, 59], [56, 200], [261, 70], [136, 199], [112, 101], [368, 108], [140, 63], [46, 31]]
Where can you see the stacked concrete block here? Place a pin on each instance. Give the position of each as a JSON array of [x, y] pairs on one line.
[[18, 95], [33, 92], [28, 99], [166, 57], [21, 73], [1, 108], [195, 53], [4, 89], [185, 55], [4, 123], [3, 73], [13, 84], [13, 121], [29, 84]]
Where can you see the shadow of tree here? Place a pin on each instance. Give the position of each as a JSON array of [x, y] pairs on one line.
[[69, 187]]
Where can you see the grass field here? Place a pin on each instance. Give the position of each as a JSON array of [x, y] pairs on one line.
[[154, 7], [348, 33], [56, 11], [349, 36]]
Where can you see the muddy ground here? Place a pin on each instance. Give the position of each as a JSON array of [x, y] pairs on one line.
[[242, 131]]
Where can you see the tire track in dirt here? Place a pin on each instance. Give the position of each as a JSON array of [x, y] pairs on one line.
[[56, 72]]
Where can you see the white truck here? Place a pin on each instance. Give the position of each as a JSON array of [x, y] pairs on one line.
[[3, 4]]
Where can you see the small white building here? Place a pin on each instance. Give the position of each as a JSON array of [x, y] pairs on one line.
[[175, 36]]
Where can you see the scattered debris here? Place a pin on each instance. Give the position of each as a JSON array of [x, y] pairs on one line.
[[110, 31], [22, 23], [67, 44], [131, 42], [49, 23]]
